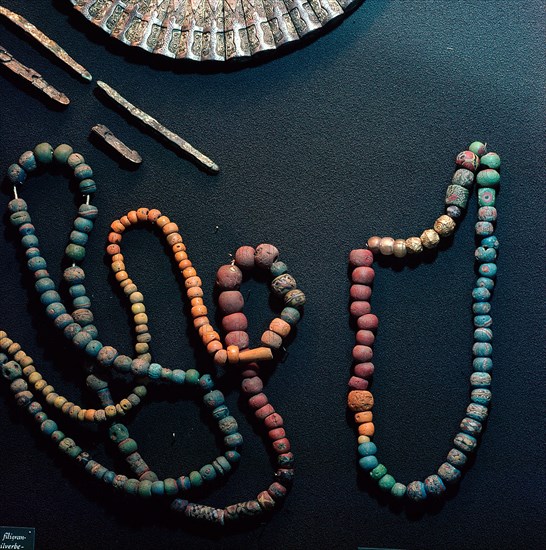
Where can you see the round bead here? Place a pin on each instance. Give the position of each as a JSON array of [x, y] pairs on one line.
[[363, 275], [434, 486], [43, 153], [278, 268], [386, 246], [416, 491], [16, 174], [62, 152], [290, 315], [478, 148], [491, 160], [368, 463], [364, 370], [448, 473], [373, 244], [244, 257], [238, 338], [229, 277], [88, 211], [386, 483], [83, 171], [444, 226], [369, 321], [398, 490], [430, 238], [488, 178], [231, 301], [456, 458], [17, 205], [361, 257], [265, 255], [414, 245], [399, 248], [360, 400], [453, 211], [463, 177], [294, 298], [282, 284], [75, 159], [28, 161], [75, 252], [367, 449], [488, 270], [484, 228], [468, 160], [378, 472], [235, 321]]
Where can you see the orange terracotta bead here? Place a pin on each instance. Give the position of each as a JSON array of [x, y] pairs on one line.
[[179, 247], [89, 415], [125, 221], [200, 321], [360, 400], [197, 302], [364, 416], [117, 258], [220, 357], [189, 272], [121, 276], [153, 214], [214, 346], [184, 264], [271, 339], [126, 282], [162, 221], [179, 256], [207, 327], [208, 337], [118, 266], [114, 238], [282, 328], [117, 226], [174, 238], [367, 428], [232, 354], [193, 281], [198, 311], [194, 292], [255, 354], [169, 228], [113, 249], [142, 214], [133, 217]]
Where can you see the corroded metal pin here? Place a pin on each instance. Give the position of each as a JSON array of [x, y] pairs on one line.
[[158, 127], [47, 42], [31, 76], [102, 131]]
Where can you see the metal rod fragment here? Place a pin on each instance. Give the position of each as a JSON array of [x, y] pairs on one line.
[[158, 127], [116, 144], [47, 42], [31, 76]]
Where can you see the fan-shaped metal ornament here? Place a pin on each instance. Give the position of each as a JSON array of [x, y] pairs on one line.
[[210, 30]]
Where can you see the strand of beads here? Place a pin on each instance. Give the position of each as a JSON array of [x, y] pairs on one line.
[[360, 399]]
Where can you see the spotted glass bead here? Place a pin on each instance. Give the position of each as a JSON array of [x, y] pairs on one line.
[[477, 412], [485, 254], [465, 442], [87, 186], [456, 458], [490, 242], [488, 270], [449, 473], [485, 282], [416, 491], [481, 294], [471, 426], [434, 486], [486, 196], [457, 195], [487, 213], [481, 308], [468, 160], [491, 160], [484, 228], [453, 211]]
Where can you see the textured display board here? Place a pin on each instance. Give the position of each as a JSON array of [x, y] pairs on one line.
[[349, 135]]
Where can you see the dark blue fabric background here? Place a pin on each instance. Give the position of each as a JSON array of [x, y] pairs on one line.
[[352, 134]]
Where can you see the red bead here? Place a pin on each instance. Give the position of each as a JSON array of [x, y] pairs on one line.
[[244, 257], [235, 321], [274, 420], [252, 385], [363, 275], [357, 383], [237, 338], [276, 433], [360, 292], [364, 370], [265, 411], [231, 301], [359, 308], [362, 353], [368, 321], [265, 255], [281, 445], [361, 257], [258, 401], [365, 337], [229, 277]]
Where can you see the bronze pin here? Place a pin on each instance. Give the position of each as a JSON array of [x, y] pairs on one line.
[[129, 154]]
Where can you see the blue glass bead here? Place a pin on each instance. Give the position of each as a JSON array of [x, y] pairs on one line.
[[481, 308], [486, 196], [158, 488], [220, 412], [30, 241], [192, 377], [367, 449], [386, 483], [378, 472], [83, 171], [62, 152], [77, 237], [28, 161], [483, 321], [43, 153], [81, 339], [83, 225], [196, 479], [482, 364], [228, 425], [27, 229], [398, 490], [19, 218], [36, 263], [75, 252], [368, 463], [471, 426], [481, 294], [43, 285], [485, 254], [93, 348], [71, 330], [233, 440], [82, 302], [434, 486], [480, 380], [179, 376], [477, 412], [416, 491], [90, 329], [488, 270], [74, 452], [16, 174], [214, 399], [183, 483], [491, 160], [55, 309], [154, 371], [109, 476], [487, 214], [456, 457], [291, 315], [32, 252], [206, 383], [465, 442], [88, 211], [48, 427], [63, 320], [76, 291], [482, 349], [484, 228], [88, 186], [485, 282], [50, 296], [278, 268], [232, 456], [490, 242], [481, 396], [449, 473], [208, 473]]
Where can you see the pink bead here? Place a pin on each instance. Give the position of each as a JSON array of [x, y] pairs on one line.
[[244, 257], [364, 370], [360, 292], [252, 385], [229, 277], [368, 321], [363, 275], [276, 433], [281, 445], [235, 321], [250, 372], [231, 301], [361, 257], [360, 307], [237, 338], [264, 411], [273, 421], [357, 383], [258, 401], [265, 255], [362, 353], [365, 337]]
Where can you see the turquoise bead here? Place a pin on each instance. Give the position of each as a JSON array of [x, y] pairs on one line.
[[484, 228], [71, 330], [291, 315], [196, 479], [36, 263], [481, 396], [82, 224], [456, 458], [482, 349], [378, 472], [367, 449], [208, 473], [232, 456], [221, 465], [192, 377], [434, 486], [233, 440], [62, 152], [145, 488], [32, 252], [50, 296], [109, 476], [131, 486], [481, 308], [488, 178], [485, 254], [449, 473], [214, 399], [93, 348], [368, 463], [278, 268], [16, 174], [477, 412], [482, 364], [81, 339], [398, 490], [74, 275], [158, 488], [480, 380], [386, 483], [485, 282], [75, 252], [79, 238], [63, 320], [11, 370], [206, 383], [178, 376], [19, 218], [30, 241], [228, 425], [55, 309], [27, 229], [486, 196], [88, 211], [478, 148], [28, 161], [490, 242], [83, 171], [483, 320], [416, 491], [154, 371], [220, 412], [88, 186], [457, 195], [118, 432], [491, 160], [77, 291], [122, 363], [465, 442], [44, 153], [488, 269]]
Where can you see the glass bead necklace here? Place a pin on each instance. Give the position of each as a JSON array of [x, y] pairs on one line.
[[77, 327], [360, 399]]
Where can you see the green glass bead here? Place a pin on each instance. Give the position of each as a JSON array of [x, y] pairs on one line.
[[208, 473], [93, 348], [158, 488], [88, 211], [278, 268], [145, 489], [44, 153], [74, 159], [131, 486], [486, 196], [491, 160], [378, 472], [83, 225], [398, 490], [196, 479], [456, 195], [478, 148], [118, 432], [192, 377], [12, 370], [88, 186], [16, 174], [386, 483], [19, 218], [128, 446], [75, 252], [179, 376], [17, 205], [291, 315], [488, 178], [28, 161], [62, 152], [83, 171], [154, 371], [79, 238]]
